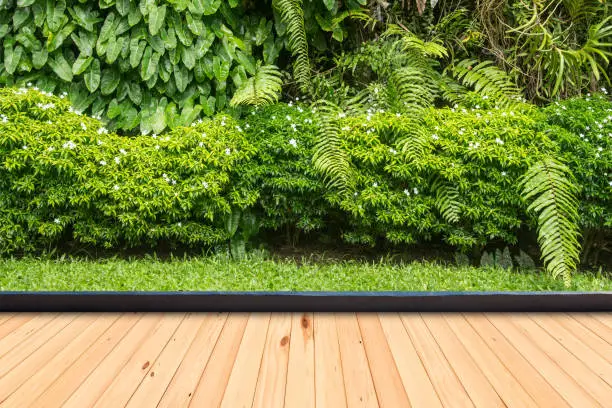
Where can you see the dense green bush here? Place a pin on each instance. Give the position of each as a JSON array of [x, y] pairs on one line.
[[451, 174], [63, 174]]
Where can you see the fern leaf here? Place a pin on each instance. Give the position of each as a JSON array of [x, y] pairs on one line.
[[447, 201], [413, 139], [487, 79], [293, 15], [552, 195], [329, 157], [263, 88]]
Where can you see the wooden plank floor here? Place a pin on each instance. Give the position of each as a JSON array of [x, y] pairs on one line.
[[305, 360]]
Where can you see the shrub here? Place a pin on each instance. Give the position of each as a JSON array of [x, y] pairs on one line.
[[64, 174]]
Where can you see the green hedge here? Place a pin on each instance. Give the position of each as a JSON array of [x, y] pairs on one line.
[[59, 177]]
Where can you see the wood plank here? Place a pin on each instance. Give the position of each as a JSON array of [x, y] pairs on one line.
[[39, 358], [390, 391], [529, 378], [180, 390], [329, 383], [102, 376], [572, 343], [505, 384], [582, 374], [152, 387], [272, 379], [448, 387], [419, 388], [360, 391], [240, 389], [300, 389], [5, 316], [597, 327], [31, 343], [474, 381], [561, 382], [10, 325], [596, 343], [66, 383], [605, 318], [139, 365], [210, 389], [20, 328], [46, 372]]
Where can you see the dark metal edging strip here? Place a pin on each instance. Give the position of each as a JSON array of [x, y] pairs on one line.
[[306, 301]]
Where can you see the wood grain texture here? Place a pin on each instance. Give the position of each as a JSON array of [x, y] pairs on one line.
[[300, 388], [305, 360]]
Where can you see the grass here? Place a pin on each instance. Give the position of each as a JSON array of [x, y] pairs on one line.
[[256, 273]]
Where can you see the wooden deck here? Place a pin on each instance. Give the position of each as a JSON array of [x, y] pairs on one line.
[[305, 360]]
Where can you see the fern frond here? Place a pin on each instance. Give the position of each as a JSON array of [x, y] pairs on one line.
[[411, 41], [487, 79], [329, 156], [413, 139], [412, 90], [548, 186], [447, 200], [263, 88], [292, 14]]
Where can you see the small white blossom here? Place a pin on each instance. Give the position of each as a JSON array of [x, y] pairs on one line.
[[205, 184], [503, 173], [375, 184], [102, 130], [600, 149], [415, 191], [499, 141], [45, 106], [407, 192], [69, 145], [434, 137], [24, 147], [288, 117], [293, 126], [393, 151], [122, 151], [201, 144], [50, 148], [116, 187], [117, 160], [180, 224], [228, 151], [83, 126], [290, 104], [293, 142], [173, 182], [57, 221], [102, 163], [156, 147]]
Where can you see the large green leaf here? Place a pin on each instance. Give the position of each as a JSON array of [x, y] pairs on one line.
[[84, 41], [81, 64], [110, 81], [247, 61], [57, 40], [20, 16], [92, 76], [156, 18], [188, 56], [11, 58], [123, 7], [60, 66], [137, 48], [220, 68], [181, 77], [86, 18], [204, 42], [330, 4], [210, 6], [114, 49], [209, 107], [148, 68], [135, 93], [39, 58], [25, 3], [55, 14], [195, 24]]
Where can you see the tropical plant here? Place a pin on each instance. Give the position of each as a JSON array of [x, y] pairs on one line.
[[263, 88], [549, 187]]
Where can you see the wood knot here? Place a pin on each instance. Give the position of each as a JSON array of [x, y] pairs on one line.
[[305, 322], [284, 341], [152, 373], [145, 365]]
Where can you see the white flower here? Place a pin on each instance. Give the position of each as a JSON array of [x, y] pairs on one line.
[[247, 126], [122, 151], [499, 141], [83, 126], [156, 147], [485, 97], [29, 84], [201, 144], [293, 142], [116, 187], [300, 109], [45, 106], [228, 151], [407, 192], [57, 221], [50, 148], [4, 118], [173, 182], [375, 184], [102, 130], [600, 149], [297, 98], [398, 114], [102, 163], [503, 173], [69, 145], [180, 224], [273, 117], [165, 176], [117, 160], [393, 151], [415, 191], [434, 137], [346, 128], [611, 183], [356, 194], [288, 117], [588, 128], [290, 104], [238, 128], [205, 184], [376, 90], [293, 126]]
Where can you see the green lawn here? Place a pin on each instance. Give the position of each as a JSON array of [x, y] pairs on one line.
[[261, 274]]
